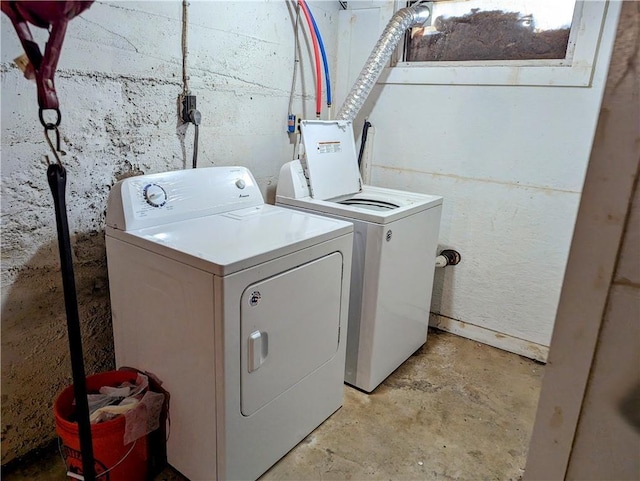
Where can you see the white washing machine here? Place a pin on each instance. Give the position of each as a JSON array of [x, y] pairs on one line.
[[395, 243], [239, 307]]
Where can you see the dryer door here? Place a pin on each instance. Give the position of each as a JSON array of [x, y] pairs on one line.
[[289, 328]]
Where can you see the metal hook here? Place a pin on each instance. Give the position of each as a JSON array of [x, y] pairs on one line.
[[56, 150]]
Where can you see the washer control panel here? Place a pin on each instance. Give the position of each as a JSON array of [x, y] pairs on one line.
[[154, 199]]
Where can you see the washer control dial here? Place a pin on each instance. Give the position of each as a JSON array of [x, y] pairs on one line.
[[240, 184], [155, 195]]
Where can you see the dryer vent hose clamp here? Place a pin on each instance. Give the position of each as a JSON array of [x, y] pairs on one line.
[[405, 18], [448, 257]]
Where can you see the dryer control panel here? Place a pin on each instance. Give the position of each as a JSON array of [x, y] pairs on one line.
[[155, 199]]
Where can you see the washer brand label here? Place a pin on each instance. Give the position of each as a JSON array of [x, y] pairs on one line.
[[329, 147], [255, 298]]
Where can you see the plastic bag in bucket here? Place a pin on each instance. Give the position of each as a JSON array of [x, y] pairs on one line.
[[114, 461]]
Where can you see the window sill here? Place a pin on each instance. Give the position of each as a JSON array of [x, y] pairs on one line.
[[483, 74]]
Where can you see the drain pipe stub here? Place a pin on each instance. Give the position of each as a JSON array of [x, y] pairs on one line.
[[448, 257]]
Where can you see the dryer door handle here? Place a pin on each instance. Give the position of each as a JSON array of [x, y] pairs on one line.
[[257, 349]]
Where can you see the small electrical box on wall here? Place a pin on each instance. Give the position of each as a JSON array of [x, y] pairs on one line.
[[187, 108]]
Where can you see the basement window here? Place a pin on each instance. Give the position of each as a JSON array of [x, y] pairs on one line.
[[502, 42], [493, 30]]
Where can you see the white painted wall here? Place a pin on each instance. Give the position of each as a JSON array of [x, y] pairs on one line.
[[118, 80], [510, 163]]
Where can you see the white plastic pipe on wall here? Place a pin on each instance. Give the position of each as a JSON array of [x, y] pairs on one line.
[[403, 19], [441, 261]]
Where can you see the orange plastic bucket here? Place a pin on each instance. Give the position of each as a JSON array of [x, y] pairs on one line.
[[113, 460]]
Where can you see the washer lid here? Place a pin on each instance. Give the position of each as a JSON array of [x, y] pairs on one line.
[[331, 158]]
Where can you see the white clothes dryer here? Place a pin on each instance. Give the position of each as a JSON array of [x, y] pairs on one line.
[[395, 243], [239, 307]]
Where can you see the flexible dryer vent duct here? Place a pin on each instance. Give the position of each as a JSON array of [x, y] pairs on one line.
[[404, 18]]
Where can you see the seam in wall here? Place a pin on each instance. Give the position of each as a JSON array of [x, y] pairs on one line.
[[475, 179]]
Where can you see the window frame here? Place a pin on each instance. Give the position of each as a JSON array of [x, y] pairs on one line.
[[574, 70]]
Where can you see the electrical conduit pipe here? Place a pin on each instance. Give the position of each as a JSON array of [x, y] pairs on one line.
[[403, 19]]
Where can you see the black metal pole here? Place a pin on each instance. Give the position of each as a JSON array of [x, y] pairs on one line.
[[57, 177]]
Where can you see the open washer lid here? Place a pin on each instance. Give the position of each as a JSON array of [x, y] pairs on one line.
[[331, 159]]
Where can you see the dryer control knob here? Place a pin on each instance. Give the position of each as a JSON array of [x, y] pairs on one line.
[[240, 184], [155, 195]]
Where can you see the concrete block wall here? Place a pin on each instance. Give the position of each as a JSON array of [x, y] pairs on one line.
[[118, 80]]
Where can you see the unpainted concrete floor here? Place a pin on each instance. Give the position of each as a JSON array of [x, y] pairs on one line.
[[456, 410]]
